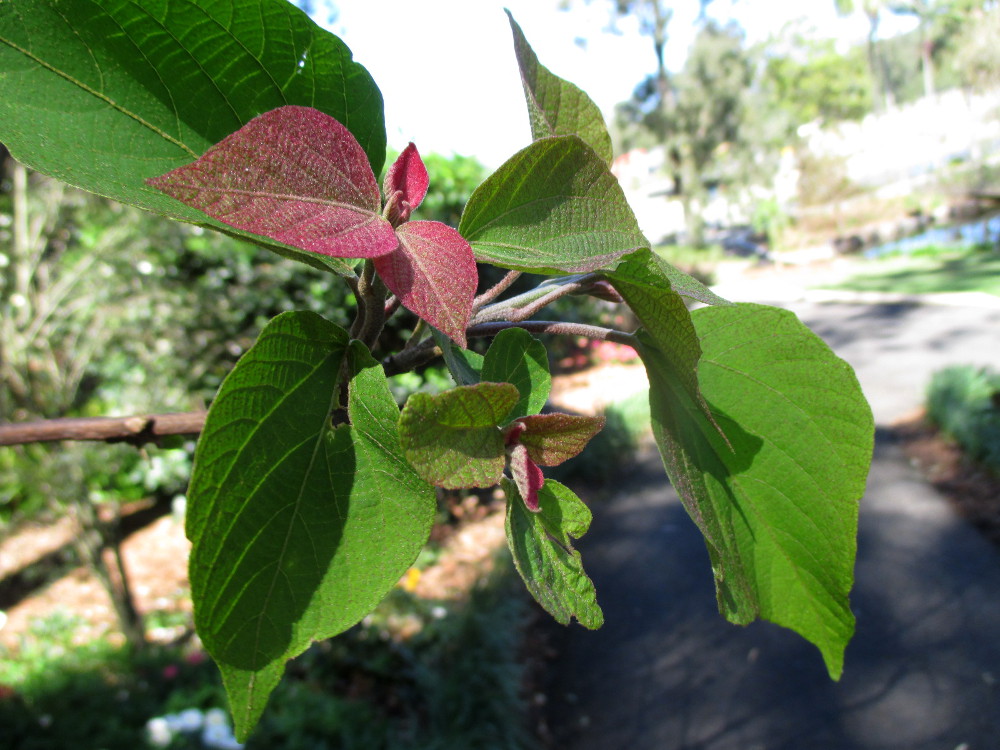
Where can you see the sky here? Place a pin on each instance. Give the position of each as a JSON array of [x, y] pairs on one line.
[[447, 71]]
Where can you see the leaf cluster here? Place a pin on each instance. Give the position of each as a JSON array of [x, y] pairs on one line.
[[312, 492]]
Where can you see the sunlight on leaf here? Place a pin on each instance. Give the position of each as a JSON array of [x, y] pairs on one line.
[[777, 500], [104, 111], [516, 357], [298, 529], [405, 184], [293, 174], [433, 273], [553, 207], [527, 476], [453, 439], [541, 544], [554, 438], [556, 106]]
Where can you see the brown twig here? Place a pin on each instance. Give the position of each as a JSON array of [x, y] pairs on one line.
[[546, 326], [495, 291], [136, 430], [410, 359]]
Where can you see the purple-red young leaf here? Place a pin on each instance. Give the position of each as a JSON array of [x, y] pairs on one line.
[[527, 476], [512, 435], [551, 439], [433, 272], [293, 174], [405, 185]]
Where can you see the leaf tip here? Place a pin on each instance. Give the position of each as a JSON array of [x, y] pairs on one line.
[[405, 185]]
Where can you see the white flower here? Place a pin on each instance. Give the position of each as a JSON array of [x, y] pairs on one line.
[[158, 732], [190, 720], [220, 737], [216, 717]]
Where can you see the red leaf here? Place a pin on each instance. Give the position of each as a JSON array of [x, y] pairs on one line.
[[551, 439], [405, 185], [512, 436], [293, 174], [527, 476], [434, 275]]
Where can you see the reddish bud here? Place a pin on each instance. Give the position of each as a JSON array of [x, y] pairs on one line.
[[527, 476], [405, 186]]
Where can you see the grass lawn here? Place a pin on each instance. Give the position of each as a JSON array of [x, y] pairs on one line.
[[971, 269]]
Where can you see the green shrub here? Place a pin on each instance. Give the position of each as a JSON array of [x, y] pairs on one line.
[[453, 680], [58, 694], [964, 402]]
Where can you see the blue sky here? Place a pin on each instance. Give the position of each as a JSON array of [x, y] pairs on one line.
[[447, 72]]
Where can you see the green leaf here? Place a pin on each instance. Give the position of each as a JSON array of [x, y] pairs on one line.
[[516, 357], [542, 548], [453, 439], [648, 268], [647, 288], [298, 529], [556, 106], [294, 365], [463, 364], [552, 208], [105, 94], [777, 500]]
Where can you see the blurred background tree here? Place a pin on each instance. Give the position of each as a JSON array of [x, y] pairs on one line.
[[698, 115], [873, 10], [806, 79], [975, 47]]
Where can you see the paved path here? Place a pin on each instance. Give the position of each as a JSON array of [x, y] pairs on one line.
[[923, 671]]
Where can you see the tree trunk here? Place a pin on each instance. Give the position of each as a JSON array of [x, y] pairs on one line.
[[882, 97], [694, 220], [927, 65], [99, 540]]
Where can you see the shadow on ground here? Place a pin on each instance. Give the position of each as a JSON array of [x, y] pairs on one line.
[[667, 672], [968, 272]]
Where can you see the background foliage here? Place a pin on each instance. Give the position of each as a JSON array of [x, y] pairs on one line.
[[964, 401]]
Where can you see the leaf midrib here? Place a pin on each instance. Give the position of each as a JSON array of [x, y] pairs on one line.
[[223, 481], [97, 94]]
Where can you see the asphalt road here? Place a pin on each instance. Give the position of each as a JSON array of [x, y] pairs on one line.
[[923, 671]]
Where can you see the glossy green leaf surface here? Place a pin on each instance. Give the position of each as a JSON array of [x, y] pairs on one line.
[[298, 529], [453, 439], [777, 500], [554, 207], [516, 357], [104, 94], [556, 106], [542, 547]]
